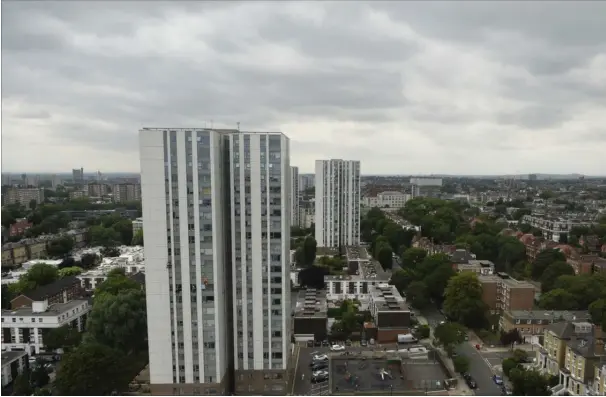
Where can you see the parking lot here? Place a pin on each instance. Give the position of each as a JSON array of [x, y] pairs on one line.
[[353, 372]]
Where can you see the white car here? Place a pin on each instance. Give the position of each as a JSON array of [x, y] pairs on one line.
[[337, 348], [322, 357], [320, 373]]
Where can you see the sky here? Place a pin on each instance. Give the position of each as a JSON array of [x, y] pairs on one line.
[[404, 87]]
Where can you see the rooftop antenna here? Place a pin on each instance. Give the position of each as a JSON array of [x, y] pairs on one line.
[[238, 123]]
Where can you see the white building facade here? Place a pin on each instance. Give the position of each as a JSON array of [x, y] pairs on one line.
[[216, 214], [337, 203], [294, 196], [260, 239]]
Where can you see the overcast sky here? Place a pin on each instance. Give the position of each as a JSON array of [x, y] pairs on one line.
[[405, 87]]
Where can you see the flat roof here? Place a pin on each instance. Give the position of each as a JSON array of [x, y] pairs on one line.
[[386, 298], [10, 356], [311, 303], [384, 373], [504, 279], [356, 253], [53, 310]]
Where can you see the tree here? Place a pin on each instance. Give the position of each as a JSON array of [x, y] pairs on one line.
[[124, 228], [385, 256], [70, 271], [449, 335], [597, 310], [417, 295], [511, 337], [423, 331], [552, 273], [38, 275], [110, 252], [412, 257], [529, 383], [7, 296], [117, 282], [64, 337], [60, 246], [138, 238], [92, 369], [508, 364], [543, 260], [313, 277], [38, 376], [309, 250], [463, 299], [461, 364], [89, 260], [437, 281], [401, 278], [105, 236], [21, 385], [119, 321], [520, 212], [558, 299]]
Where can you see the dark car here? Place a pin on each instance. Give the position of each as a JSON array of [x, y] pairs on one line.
[[363, 342], [319, 366], [469, 380], [325, 343], [310, 343], [323, 377], [318, 343]]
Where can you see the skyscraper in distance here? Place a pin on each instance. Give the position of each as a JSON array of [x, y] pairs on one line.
[[294, 196], [337, 202], [216, 231]]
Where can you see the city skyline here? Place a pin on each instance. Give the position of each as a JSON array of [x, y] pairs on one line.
[[416, 88]]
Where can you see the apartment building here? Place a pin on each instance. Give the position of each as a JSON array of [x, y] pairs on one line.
[[124, 192], [97, 189], [14, 363], [24, 328], [78, 176], [574, 352], [337, 203], [388, 199], [390, 313], [532, 323], [294, 197], [216, 211], [24, 196], [425, 187], [306, 181], [554, 227], [311, 316], [503, 293]]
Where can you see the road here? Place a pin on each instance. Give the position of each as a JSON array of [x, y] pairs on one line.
[[480, 371]]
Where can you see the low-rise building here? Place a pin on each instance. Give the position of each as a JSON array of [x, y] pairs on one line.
[[587, 264], [390, 313], [14, 363], [554, 227], [311, 316], [23, 328], [131, 260], [532, 323], [19, 227], [137, 225], [363, 272], [60, 291], [503, 293]]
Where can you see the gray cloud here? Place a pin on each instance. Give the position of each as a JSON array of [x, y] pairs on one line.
[[405, 87]]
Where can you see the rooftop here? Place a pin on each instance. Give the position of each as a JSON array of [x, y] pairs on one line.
[[311, 303], [356, 253], [504, 278], [386, 297], [52, 311], [555, 315], [10, 356], [54, 288]]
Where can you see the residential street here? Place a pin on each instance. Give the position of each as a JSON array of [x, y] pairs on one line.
[[480, 371]]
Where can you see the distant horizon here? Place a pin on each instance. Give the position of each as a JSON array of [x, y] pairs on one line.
[[437, 175]]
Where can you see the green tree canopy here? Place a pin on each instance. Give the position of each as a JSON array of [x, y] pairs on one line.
[[558, 299], [552, 273], [543, 260], [117, 282], [70, 271], [417, 295], [119, 321], [463, 300], [138, 237], [37, 276], [92, 369], [449, 335], [461, 364], [529, 383], [413, 257], [64, 337]]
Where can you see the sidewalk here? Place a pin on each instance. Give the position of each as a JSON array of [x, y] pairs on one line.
[[462, 389]]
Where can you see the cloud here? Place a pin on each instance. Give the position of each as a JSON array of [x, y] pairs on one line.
[[405, 87]]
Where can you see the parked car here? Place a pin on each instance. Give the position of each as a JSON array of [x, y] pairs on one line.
[[318, 343], [319, 378], [310, 343], [319, 357], [497, 380], [318, 366], [363, 343], [325, 343], [337, 348]]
